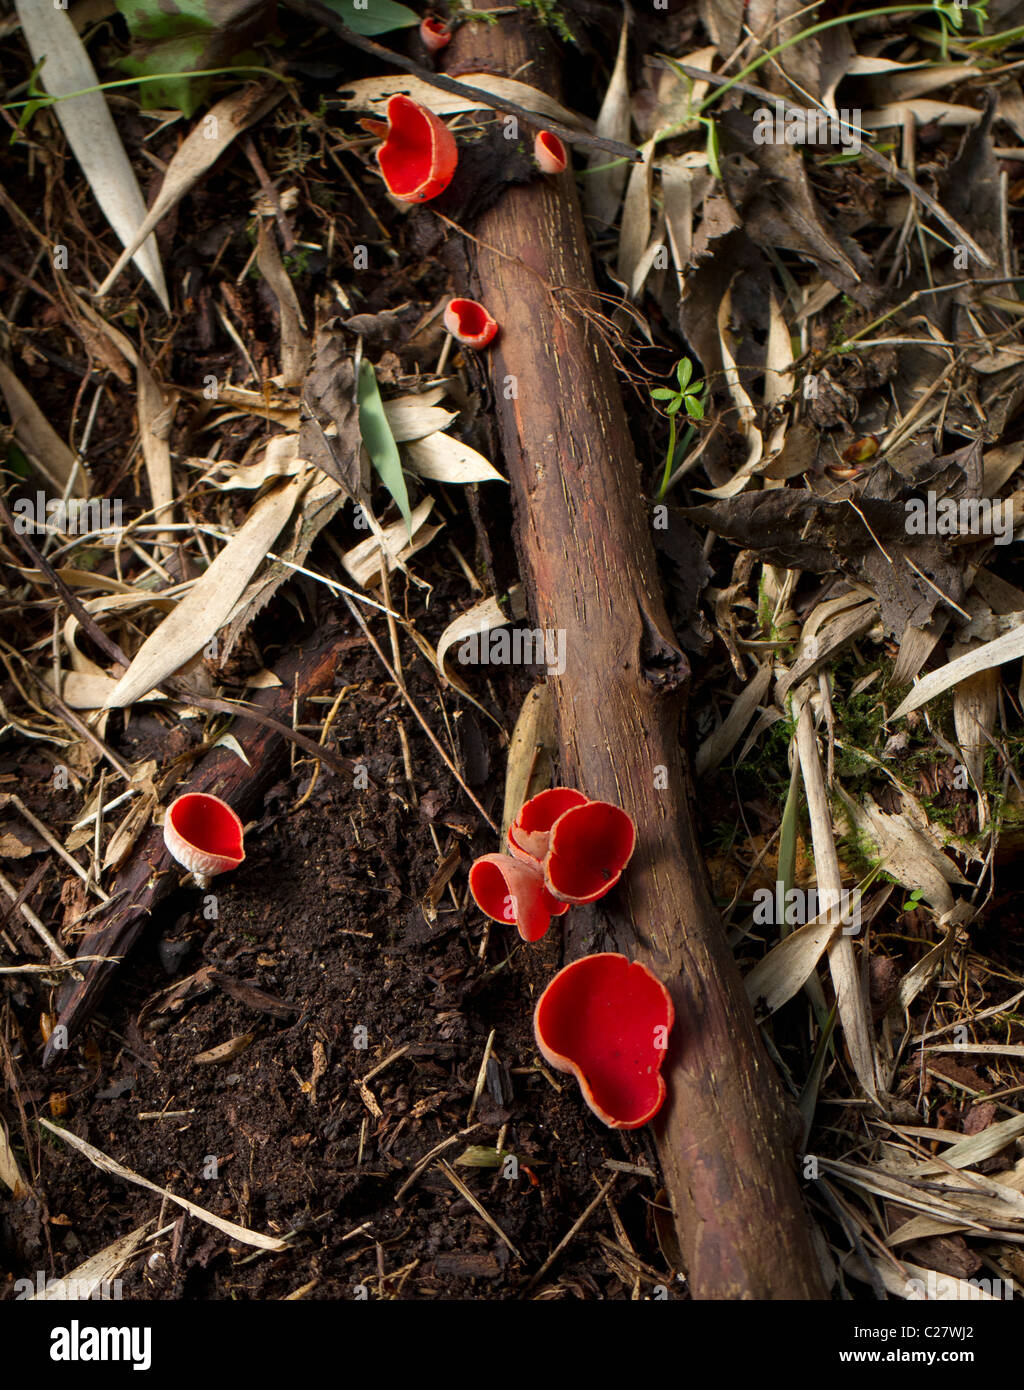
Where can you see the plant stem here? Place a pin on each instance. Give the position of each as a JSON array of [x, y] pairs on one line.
[[669, 456]]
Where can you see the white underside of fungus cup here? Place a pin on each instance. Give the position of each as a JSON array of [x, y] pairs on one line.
[[204, 835]]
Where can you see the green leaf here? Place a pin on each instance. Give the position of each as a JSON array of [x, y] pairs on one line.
[[173, 38], [684, 370], [369, 17], [662, 393], [711, 148], [674, 405], [694, 408], [379, 441]]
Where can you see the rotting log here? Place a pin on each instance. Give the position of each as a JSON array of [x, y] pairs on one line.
[[150, 875], [725, 1136]]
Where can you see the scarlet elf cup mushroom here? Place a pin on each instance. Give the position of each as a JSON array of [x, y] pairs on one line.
[[594, 842], [419, 155], [434, 35], [204, 835], [606, 1020], [549, 152], [469, 323]]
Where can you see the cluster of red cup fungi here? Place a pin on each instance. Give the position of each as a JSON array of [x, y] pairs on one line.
[[418, 160], [603, 1018]]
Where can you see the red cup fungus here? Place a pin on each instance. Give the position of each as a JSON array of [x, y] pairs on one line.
[[434, 35], [419, 156], [469, 323], [507, 890], [606, 1020], [549, 152], [529, 833], [589, 846], [204, 835]]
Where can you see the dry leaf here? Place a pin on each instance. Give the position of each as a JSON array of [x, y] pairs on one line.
[[208, 603], [40, 441], [90, 130], [443, 459], [373, 94], [198, 152]]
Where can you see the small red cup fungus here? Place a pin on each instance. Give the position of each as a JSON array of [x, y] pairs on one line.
[[469, 323], [606, 1020], [204, 835], [419, 156], [434, 35], [549, 152], [507, 890], [529, 833], [589, 846]]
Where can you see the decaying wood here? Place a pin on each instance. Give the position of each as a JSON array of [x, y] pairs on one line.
[[150, 873], [587, 558]]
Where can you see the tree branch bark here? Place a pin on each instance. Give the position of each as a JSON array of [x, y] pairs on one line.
[[725, 1137]]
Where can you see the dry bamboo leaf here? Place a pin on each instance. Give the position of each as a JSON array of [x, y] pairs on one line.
[[482, 617], [635, 232], [443, 459], [788, 965], [602, 190], [320, 504], [127, 833], [117, 1170], [99, 1269], [778, 374], [921, 1227], [279, 459], [374, 93], [721, 743], [208, 604], [225, 1051], [901, 81], [296, 351], [929, 1284], [363, 561], [908, 854], [156, 415], [198, 152], [853, 1005], [414, 417], [682, 190], [266, 405], [977, 1147], [532, 750], [37, 437], [89, 690], [921, 975], [747, 415], [940, 113], [10, 1173], [999, 466], [1009, 647], [916, 646], [90, 130]]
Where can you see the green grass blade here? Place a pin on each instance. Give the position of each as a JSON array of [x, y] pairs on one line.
[[380, 442]]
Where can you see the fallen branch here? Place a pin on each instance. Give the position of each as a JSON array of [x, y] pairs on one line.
[[587, 558]]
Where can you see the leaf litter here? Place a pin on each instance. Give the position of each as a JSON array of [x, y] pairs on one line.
[[854, 314]]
